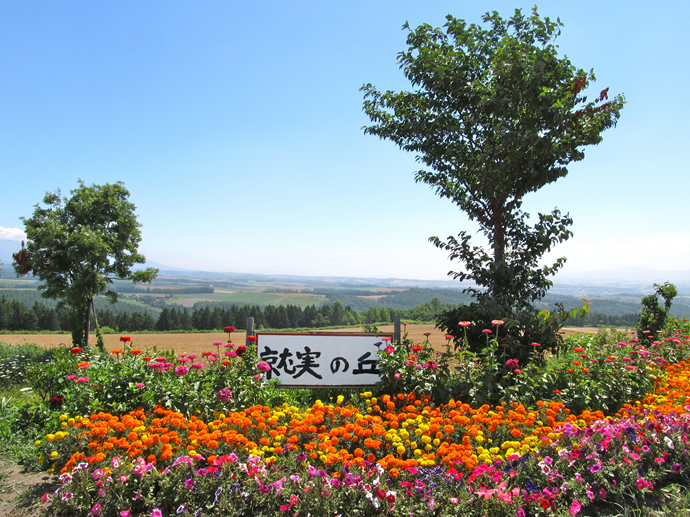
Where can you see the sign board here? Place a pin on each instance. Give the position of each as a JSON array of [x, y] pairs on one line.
[[328, 359]]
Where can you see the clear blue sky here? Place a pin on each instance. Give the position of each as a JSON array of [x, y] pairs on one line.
[[236, 126]]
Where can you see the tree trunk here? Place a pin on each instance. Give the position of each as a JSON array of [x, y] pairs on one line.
[[87, 327], [499, 245]]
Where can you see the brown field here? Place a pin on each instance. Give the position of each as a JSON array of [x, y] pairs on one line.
[[197, 343]]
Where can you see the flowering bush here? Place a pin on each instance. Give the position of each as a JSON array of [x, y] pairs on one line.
[[505, 460], [87, 381]]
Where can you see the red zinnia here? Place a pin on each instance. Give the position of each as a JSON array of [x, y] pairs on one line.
[[229, 329], [251, 339], [545, 503], [241, 349], [76, 350], [125, 339]]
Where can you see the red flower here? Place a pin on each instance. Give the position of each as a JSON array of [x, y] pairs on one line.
[[251, 339], [229, 329], [76, 350], [545, 503], [241, 349], [125, 339]]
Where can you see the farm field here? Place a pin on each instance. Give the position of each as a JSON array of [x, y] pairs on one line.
[[195, 343], [299, 299]]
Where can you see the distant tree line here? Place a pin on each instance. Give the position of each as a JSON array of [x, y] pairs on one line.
[[16, 315], [596, 319]]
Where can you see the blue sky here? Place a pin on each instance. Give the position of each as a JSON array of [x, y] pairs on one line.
[[236, 126]]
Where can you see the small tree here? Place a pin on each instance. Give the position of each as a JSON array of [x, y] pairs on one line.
[[495, 114], [77, 246], [652, 315]]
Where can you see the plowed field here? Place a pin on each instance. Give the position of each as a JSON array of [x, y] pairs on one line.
[[197, 343]]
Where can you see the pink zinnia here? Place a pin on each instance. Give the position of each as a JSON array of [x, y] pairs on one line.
[[198, 366]]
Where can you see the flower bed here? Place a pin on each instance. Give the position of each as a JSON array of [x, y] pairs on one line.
[[395, 453]]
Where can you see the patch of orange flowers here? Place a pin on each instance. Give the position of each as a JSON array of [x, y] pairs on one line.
[[396, 432]]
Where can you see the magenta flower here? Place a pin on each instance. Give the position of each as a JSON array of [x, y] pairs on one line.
[[181, 370], [263, 366], [225, 395]]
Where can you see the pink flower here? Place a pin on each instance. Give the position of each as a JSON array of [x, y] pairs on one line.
[[82, 380], [263, 366], [181, 370], [156, 513], [126, 513], [486, 331], [497, 322], [197, 366], [464, 323], [536, 344], [225, 395], [575, 507], [388, 349]]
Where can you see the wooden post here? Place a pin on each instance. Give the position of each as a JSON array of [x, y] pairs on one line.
[[396, 329], [250, 329]]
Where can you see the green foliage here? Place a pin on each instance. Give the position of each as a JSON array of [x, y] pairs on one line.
[[588, 375], [16, 360], [86, 381], [412, 368], [77, 246], [517, 333], [652, 315]]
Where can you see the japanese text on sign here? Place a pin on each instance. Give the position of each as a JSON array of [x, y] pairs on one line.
[[321, 359]]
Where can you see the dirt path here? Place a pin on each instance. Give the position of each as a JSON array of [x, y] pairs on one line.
[[21, 490]]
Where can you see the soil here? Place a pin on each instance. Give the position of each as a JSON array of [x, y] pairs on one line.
[[21, 490], [200, 342]]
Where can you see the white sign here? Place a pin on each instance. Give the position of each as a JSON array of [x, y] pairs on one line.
[[322, 359]]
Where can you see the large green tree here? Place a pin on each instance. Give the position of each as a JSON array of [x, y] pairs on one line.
[[495, 113], [77, 246]]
